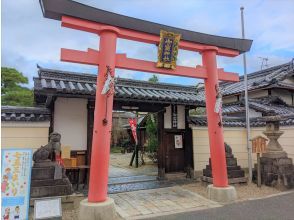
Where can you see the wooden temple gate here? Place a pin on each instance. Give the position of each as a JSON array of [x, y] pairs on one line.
[[110, 27]]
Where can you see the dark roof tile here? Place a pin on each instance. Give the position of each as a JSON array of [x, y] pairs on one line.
[[15, 113]]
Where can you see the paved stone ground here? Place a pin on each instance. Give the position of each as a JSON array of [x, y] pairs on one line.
[[272, 208], [147, 203], [122, 161]]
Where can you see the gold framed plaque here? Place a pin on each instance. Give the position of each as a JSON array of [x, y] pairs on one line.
[[168, 49]]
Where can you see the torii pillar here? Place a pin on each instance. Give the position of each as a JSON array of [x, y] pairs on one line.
[[219, 190]]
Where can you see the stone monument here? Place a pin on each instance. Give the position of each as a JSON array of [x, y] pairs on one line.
[[276, 168], [235, 173], [48, 174]]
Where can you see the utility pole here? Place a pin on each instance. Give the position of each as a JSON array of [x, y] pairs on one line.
[[249, 149]]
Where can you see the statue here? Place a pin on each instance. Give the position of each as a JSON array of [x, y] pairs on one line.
[[50, 151], [228, 150], [48, 174]]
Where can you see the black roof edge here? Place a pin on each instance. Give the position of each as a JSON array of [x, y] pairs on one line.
[[125, 81], [55, 9]]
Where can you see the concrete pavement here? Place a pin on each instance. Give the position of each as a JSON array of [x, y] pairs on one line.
[[279, 207]]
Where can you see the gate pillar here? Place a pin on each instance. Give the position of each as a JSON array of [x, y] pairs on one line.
[[215, 128], [102, 120]]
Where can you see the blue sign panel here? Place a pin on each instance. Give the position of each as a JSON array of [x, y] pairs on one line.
[[16, 169]]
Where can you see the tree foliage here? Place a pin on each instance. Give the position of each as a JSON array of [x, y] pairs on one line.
[[151, 130], [153, 79], [12, 90]]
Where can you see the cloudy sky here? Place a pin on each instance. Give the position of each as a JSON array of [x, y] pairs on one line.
[[29, 39]]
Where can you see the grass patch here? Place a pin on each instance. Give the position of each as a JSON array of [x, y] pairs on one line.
[[115, 150]]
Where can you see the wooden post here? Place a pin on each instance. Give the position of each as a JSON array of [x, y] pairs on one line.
[[161, 150], [258, 147], [258, 171]]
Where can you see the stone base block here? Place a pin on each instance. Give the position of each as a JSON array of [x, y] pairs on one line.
[[222, 194], [275, 154], [97, 211]]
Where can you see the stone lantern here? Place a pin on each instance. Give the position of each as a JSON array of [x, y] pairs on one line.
[[276, 168], [274, 149]]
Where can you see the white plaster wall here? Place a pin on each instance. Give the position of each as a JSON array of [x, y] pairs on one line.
[[167, 117], [70, 120], [285, 95], [257, 93], [181, 116], [229, 99]]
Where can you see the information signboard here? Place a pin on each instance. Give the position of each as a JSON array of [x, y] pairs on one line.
[[16, 166], [49, 208], [178, 141]]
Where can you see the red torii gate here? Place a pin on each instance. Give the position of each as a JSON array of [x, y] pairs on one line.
[[107, 56]]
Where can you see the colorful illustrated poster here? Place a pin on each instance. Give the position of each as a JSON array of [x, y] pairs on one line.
[[16, 166]]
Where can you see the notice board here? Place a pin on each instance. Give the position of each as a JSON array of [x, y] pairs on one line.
[[16, 166]]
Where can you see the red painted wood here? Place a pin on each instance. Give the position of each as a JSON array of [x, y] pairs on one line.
[[92, 58], [215, 130], [147, 66], [101, 133], [95, 27]]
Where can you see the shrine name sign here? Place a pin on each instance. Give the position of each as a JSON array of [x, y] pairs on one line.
[[259, 145]]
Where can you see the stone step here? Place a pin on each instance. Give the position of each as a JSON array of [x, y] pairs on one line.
[[175, 176], [228, 167], [130, 179], [231, 173]]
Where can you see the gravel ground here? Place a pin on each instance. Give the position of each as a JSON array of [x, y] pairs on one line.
[[244, 191]]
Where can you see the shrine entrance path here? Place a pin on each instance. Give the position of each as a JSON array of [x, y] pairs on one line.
[[158, 202], [125, 178]]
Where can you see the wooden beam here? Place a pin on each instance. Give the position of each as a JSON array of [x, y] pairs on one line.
[[90, 57], [148, 66], [95, 27]]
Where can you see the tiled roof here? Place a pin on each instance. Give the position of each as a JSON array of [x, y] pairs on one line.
[[287, 120], [76, 84], [15, 113], [268, 78], [269, 105]]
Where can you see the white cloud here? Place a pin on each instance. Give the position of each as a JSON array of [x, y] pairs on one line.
[[28, 38]]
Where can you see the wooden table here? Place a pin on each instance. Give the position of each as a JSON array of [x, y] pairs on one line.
[[76, 172]]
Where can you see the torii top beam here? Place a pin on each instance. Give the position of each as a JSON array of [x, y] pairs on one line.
[[56, 9]]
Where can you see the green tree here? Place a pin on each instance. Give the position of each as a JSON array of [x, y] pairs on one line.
[[12, 90], [153, 79], [151, 130]]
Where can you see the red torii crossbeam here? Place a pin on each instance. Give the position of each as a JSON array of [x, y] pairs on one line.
[[107, 56]]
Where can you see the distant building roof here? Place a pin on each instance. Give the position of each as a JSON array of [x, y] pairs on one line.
[[201, 121], [269, 105], [33, 114], [268, 78], [61, 83]]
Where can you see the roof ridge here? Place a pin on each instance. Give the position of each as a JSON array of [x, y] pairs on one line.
[[76, 76]]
